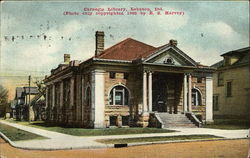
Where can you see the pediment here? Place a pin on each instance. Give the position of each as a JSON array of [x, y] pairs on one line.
[[170, 56]]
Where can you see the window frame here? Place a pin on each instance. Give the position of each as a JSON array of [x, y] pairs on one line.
[[220, 79], [229, 90], [197, 100], [123, 93], [216, 103]]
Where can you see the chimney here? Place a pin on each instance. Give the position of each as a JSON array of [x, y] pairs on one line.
[[66, 58], [99, 42], [173, 42]]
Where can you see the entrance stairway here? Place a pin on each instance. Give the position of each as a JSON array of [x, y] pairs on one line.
[[174, 120]]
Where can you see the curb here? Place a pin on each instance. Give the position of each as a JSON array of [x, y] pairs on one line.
[[7, 139], [182, 141], [112, 145]]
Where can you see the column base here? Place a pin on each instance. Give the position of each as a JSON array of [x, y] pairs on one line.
[[143, 120]]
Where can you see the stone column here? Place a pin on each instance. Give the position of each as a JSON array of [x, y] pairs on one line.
[[189, 93], [185, 93], [144, 108], [61, 102], [150, 91], [53, 95], [72, 86], [209, 99], [98, 105], [61, 94], [82, 99], [47, 96]]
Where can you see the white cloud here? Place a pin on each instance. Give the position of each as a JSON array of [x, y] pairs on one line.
[[219, 29], [206, 56]]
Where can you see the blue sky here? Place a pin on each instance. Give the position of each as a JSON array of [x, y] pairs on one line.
[[224, 26]]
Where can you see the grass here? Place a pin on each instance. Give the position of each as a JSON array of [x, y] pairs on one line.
[[156, 139], [230, 124], [16, 134], [93, 132]]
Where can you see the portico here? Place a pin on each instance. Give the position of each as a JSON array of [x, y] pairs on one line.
[[165, 100]]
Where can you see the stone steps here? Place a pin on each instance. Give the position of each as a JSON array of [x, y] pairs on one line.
[[175, 120]]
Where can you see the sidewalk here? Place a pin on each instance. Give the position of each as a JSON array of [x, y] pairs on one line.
[[63, 141]]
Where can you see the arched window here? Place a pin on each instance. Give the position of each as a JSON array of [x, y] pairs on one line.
[[118, 96], [88, 96], [196, 97]]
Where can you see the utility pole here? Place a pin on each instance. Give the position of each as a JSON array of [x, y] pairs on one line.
[[29, 100]]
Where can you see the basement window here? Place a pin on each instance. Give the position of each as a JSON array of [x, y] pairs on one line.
[[125, 120], [113, 120]]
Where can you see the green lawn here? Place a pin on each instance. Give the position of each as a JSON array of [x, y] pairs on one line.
[[15, 134], [230, 124], [93, 132], [155, 139]]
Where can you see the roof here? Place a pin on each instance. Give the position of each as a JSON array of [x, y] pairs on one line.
[[242, 50], [33, 90], [20, 91], [218, 64], [128, 49]]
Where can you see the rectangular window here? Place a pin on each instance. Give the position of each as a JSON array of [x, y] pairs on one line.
[[216, 103], [229, 89], [111, 74], [220, 79], [125, 75], [118, 98], [125, 120], [112, 120]]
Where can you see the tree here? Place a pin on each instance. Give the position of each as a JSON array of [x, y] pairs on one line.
[[3, 100]]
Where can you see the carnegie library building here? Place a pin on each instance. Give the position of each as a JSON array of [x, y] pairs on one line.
[[130, 84]]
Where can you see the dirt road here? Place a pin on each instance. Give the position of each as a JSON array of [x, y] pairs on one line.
[[206, 149]]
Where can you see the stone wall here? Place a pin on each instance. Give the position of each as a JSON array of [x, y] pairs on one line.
[[120, 110]]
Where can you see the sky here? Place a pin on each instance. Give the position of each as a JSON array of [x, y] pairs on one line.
[[204, 32]]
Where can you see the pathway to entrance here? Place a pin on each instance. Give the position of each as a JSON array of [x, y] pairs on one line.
[[63, 141]]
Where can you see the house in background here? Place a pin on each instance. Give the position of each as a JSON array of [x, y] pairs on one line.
[[231, 97], [21, 101], [130, 84]]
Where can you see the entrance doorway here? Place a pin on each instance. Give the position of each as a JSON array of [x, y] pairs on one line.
[[166, 92], [159, 93]]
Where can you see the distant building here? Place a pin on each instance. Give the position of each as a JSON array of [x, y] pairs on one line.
[[130, 84], [21, 103], [231, 97]]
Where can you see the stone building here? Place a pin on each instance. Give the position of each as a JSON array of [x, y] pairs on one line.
[[232, 85], [129, 84]]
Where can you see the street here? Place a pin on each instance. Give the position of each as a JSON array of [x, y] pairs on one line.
[[206, 149]]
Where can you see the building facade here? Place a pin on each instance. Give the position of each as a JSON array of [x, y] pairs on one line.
[[232, 85], [21, 103], [126, 84]]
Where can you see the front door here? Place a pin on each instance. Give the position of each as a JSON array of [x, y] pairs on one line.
[[159, 93]]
